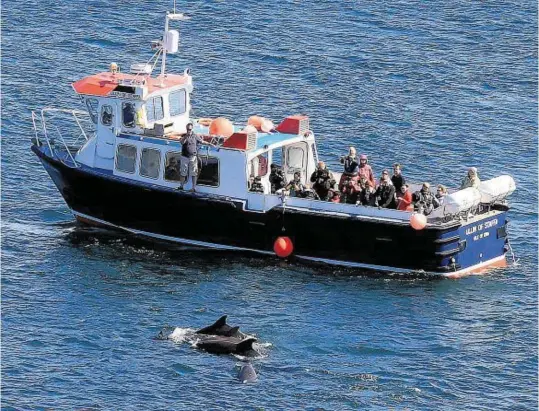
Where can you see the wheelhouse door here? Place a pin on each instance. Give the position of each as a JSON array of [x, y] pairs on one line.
[[106, 129], [295, 159]]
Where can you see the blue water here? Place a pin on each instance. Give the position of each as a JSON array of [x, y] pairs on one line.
[[438, 86]]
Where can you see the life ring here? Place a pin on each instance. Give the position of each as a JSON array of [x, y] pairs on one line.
[[205, 121]]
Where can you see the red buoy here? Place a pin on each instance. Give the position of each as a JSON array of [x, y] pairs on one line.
[[283, 247]]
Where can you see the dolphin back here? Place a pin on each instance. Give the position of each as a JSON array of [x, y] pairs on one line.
[[245, 345], [210, 329], [247, 374]]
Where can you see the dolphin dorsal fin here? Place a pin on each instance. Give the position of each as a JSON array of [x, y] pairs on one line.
[[245, 345], [232, 332], [220, 322]]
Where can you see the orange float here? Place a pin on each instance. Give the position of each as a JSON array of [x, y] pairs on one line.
[[418, 221], [255, 121], [249, 129], [221, 127], [283, 247], [267, 125]]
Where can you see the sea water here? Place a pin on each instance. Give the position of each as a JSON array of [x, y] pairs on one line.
[[436, 86]]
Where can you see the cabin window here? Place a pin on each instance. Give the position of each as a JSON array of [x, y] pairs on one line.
[[154, 109], [176, 101], [295, 157], [126, 156], [150, 162], [172, 166], [91, 104], [209, 172], [106, 115], [128, 114]]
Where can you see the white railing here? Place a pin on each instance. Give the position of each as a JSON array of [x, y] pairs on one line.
[[48, 132]]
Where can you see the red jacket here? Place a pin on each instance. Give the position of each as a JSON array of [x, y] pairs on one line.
[[366, 171], [404, 200]]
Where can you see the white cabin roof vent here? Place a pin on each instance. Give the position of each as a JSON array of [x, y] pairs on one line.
[[141, 68]]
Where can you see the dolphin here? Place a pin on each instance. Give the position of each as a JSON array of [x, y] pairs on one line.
[[220, 327], [225, 345], [247, 374]]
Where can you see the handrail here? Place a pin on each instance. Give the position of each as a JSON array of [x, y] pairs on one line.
[[45, 129]]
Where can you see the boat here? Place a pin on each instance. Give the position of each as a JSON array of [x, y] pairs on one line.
[[109, 161]]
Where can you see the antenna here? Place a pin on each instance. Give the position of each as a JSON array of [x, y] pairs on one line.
[[170, 39]]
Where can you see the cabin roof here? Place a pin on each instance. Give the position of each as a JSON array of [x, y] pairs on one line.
[[102, 84]]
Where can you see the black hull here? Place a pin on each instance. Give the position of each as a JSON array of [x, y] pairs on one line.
[[176, 215]]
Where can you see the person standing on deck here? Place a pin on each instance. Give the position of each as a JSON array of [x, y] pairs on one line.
[[323, 181], [189, 158], [351, 167], [365, 169]]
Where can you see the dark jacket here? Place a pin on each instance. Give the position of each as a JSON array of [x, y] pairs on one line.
[[425, 202], [398, 182], [351, 165], [323, 181], [276, 179], [367, 199], [386, 195]]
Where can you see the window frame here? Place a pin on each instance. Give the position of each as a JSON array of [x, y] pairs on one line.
[[101, 116], [218, 172], [134, 162], [154, 119], [158, 163], [124, 104], [165, 165], [302, 166], [184, 102], [96, 113]]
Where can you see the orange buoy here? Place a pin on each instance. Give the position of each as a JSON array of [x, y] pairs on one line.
[[255, 121], [283, 247], [267, 125], [221, 127], [249, 129], [418, 221]]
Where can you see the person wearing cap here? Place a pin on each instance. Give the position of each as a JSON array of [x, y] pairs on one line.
[[276, 178], [323, 181], [365, 170], [424, 200], [471, 179], [397, 178], [404, 198], [351, 166], [385, 193], [367, 197]]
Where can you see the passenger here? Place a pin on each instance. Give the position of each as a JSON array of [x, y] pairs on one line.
[[441, 192], [367, 197], [397, 178], [295, 187], [471, 179], [172, 171], [334, 196], [189, 158], [323, 181], [404, 198], [424, 200], [365, 169], [385, 193], [256, 186], [276, 178], [351, 167], [350, 192]]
